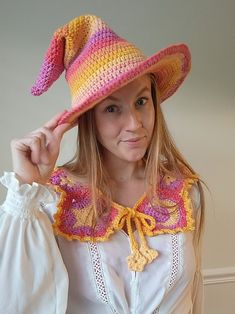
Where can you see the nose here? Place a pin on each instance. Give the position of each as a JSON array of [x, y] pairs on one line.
[[134, 120]]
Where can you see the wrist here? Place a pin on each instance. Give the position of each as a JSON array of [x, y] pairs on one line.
[[24, 199], [24, 180]]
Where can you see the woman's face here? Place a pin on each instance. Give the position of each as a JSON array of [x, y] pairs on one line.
[[125, 120]]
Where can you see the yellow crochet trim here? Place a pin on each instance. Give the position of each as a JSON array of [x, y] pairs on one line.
[[189, 210], [57, 222], [145, 225]]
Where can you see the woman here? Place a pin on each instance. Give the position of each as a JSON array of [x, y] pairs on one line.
[[128, 210]]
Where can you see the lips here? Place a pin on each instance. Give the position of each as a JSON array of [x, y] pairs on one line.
[[133, 140]]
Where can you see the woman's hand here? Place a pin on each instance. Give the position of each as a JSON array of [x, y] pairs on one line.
[[34, 156]]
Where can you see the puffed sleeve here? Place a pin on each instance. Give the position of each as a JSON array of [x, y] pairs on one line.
[[198, 289], [33, 278]]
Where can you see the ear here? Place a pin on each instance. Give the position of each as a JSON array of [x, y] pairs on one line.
[[52, 67]]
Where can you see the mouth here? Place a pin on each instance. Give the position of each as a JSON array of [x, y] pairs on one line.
[[134, 140]]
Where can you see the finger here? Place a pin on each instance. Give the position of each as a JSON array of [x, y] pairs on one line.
[[24, 145], [29, 147], [43, 139], [49, 141], [37, 144], [45, 134], [51, 124], [49, 145], [61, 129], [44, 156], [35, 147]]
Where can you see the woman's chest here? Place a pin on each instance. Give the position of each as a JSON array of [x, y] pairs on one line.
[[98, 271]]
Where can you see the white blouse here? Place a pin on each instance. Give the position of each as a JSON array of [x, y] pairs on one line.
[[44, 274]]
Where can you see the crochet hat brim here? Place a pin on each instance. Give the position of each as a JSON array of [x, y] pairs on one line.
[[170, 67]]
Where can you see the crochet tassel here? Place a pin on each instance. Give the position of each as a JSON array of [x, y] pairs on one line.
[[143, 255]]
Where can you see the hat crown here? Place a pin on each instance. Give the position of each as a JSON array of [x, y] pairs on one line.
[[87, 49], [95, 58], [84, 32], [97, 62], [87, 35]]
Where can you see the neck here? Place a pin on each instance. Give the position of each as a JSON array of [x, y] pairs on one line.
[[122, 171]]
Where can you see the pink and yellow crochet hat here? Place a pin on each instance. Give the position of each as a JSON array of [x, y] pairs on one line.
[[97, 62]]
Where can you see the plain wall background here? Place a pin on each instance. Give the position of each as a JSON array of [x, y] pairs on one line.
[[201, 115]]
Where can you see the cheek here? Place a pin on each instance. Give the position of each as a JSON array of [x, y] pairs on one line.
[[106, 131]]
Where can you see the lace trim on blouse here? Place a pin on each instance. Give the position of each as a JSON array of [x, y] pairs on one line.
[[98, 275], [174, 265], [175, 260]]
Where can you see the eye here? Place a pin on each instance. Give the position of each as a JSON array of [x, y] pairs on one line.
[[141, 101], [112, 108]]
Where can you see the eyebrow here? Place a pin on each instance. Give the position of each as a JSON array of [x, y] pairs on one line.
[[144, 89]]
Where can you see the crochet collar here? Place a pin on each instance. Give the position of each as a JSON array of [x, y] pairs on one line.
[[73, 219]]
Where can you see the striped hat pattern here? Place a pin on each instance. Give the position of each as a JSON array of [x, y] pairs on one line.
[[97, 62]]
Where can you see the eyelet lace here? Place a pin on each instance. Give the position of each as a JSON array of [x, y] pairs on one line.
[[98, 275], [174, 265]]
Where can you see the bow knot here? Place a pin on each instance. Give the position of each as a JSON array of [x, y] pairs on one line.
[[132, 212], [143, 255]]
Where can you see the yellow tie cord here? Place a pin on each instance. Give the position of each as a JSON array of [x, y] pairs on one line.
[[143, 255]]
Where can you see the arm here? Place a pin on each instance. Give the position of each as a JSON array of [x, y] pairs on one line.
[[198, 289], [33, 278]]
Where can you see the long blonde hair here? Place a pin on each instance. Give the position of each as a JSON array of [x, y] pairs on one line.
[[162, 157]]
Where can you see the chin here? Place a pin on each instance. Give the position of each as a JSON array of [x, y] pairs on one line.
[[133, 157]]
